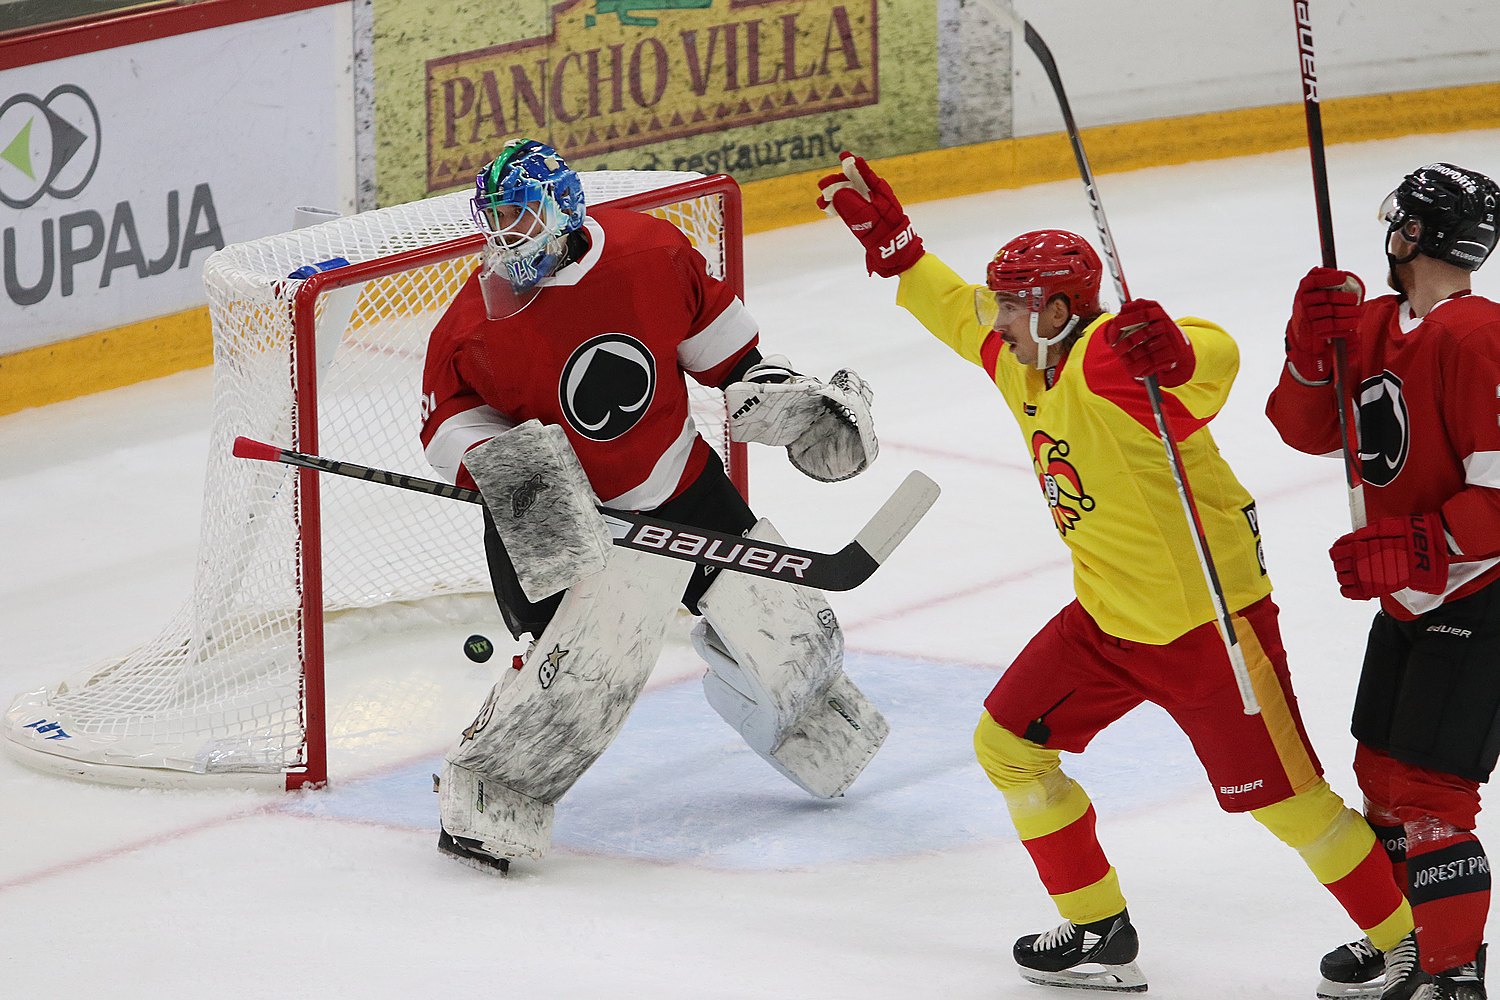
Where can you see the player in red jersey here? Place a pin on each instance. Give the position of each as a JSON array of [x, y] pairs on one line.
[[1426, 363], [555, 381]]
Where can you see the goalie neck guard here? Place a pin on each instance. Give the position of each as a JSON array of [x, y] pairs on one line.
[[1449, 213], [526, 202], [1038, 266]]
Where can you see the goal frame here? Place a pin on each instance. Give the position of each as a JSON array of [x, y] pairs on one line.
[[314, 772]]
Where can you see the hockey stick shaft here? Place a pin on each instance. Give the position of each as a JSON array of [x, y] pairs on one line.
[[1237, 663], [841, 570], [1312, 109]]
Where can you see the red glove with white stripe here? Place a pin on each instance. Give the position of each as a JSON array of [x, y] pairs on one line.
[[1326, 309], [867, 205], [1392, 554]]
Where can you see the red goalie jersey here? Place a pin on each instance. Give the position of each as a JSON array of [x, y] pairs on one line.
[[1429, 425], [602, 352]]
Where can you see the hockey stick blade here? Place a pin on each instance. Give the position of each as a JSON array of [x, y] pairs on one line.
[[842, 570]]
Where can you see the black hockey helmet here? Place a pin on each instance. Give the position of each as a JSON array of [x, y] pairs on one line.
[[1450, 213]]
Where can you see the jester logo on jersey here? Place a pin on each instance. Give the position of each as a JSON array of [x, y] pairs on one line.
[[1060, 482], [1384, 429]]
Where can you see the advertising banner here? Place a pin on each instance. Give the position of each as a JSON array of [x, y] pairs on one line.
[[755, 88], [122, 170]]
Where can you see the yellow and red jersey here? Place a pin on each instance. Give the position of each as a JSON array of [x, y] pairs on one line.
[[1102, 465]]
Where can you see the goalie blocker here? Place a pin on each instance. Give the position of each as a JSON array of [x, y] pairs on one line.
[[542, 507]]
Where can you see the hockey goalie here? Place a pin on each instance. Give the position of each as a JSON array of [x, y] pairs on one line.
[[554, 382]]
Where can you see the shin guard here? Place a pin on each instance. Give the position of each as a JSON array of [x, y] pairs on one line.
[[1449, 887]]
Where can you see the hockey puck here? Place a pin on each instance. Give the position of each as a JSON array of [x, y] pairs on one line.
[[478, 648]]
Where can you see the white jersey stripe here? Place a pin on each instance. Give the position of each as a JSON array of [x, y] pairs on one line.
[[731, 330], [658, 487], [1459, 573], [460, 432], [1483, 469]]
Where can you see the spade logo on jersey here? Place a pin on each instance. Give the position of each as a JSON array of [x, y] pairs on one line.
[[1060, 481], [1384, 429], [607, 385]]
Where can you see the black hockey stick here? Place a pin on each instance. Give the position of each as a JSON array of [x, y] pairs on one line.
[[1313, 110], [842, 570], [1153, 390]]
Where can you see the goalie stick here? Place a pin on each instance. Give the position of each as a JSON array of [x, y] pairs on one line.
[[842, 570], [1153, 390], [1312, 109]]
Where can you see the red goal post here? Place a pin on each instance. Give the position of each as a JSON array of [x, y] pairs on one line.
[[231, 692]]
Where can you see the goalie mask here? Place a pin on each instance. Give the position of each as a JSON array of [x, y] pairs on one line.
[[526, 202], [1445, 212], [1031, 270]]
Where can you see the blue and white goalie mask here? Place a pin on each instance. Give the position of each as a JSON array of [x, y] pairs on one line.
[[526, 202]]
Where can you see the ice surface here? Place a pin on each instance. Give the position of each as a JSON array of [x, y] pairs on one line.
[[684, 868]]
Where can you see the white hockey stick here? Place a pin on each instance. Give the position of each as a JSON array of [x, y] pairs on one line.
[[1153, 390], [842, 570]]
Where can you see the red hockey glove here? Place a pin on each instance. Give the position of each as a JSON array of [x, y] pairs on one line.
[[868, 206], [1392, 554], [1326, 309], [1149, 343]]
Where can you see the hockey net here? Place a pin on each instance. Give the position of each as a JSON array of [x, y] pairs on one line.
[[230, 692]]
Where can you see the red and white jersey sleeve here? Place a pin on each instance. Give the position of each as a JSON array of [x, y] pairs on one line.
[[1470, 399], [1429, 428], [602, 352]]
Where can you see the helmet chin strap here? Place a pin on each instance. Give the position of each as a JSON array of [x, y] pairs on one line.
[[1415, 239], [1045, 344]]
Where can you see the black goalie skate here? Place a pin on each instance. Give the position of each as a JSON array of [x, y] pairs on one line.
[[1096, 956], [1354, 970], [472, 853]]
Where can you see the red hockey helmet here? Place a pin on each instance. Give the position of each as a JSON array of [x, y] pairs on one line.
[[1048, 262]]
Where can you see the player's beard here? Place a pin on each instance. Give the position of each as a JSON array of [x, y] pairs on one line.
[[1393, 279]]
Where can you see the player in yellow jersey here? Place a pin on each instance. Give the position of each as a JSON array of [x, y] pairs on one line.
[[1143, 627]]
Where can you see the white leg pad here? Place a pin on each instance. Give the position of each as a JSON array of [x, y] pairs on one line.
[[779, 646], [538, 732], [832, 742], [508, 823], [775, 673]]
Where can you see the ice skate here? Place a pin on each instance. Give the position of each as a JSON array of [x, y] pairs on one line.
[[1358, 970], [1463, 983], [1095, 956], [1404, 978], [1353, 970], [471, 853]]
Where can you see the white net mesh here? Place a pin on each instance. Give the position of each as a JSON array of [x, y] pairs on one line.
[[219, 690]]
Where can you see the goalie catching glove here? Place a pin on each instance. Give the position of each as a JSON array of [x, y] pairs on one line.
[[825, 426]]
